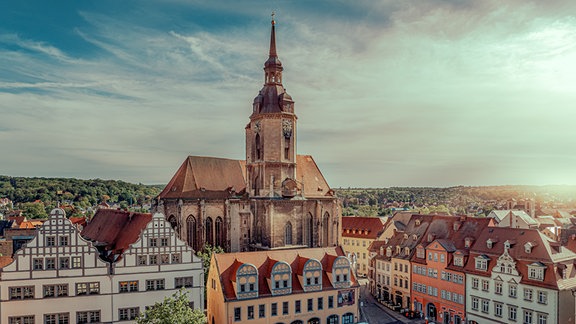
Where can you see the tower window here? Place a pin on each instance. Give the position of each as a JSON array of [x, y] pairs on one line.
[[287, 148], [258, 147]]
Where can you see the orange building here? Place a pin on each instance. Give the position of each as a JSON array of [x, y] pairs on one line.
[[297, 286], [438, 280]]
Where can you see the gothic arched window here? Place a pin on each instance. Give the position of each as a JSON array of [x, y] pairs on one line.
[[288, 234], [209, 231], [326, 230], [258, 147], [219, 232], [191, 232]]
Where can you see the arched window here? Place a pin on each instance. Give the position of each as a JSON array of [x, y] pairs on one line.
[[332, 319], [327, 229], [288, 234], [341, 272], [219, 232], [281, 276], [209, 231], [191, 232], [309, 231], [258, 147], [314, 320], [247, 281], [312, 273], [348, 318]]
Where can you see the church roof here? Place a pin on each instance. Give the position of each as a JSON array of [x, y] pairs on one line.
[[218, 178]]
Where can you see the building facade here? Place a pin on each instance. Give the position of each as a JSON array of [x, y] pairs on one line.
[[311, 286], [61, 277], [357, 235], [273, 199]]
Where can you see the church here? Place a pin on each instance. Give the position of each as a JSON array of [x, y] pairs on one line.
[[274, 199]]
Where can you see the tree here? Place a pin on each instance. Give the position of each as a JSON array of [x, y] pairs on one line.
[[34, 210], [206, 255], [173, 310]]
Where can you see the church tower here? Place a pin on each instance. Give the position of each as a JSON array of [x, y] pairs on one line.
[[271, 135]]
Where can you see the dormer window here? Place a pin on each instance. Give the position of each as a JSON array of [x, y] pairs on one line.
[[458, 260], [388, 251], [507, 245], [536, 271], [420, 252], [417, 222], [247, 281], [430, 238], [467, 242], [482, 263], [405, 236], [528, 247], [489, 243], [281, 278], [341, 272], [397, 249], [312, 274], [406, 251], [414, 237]]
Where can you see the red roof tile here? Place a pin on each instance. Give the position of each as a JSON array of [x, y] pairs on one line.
[[362, 227], [115, 229]]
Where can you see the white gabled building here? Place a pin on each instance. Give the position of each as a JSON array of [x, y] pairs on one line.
[[133, 261], [519, 276]]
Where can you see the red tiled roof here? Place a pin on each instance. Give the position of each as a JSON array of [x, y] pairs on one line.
[[5, 260], [115, 229], [218, 178], [228, 263], [78, 220], [499, 235], [362, 227]]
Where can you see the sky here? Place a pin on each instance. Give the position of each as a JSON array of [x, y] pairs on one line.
[[387, 93]]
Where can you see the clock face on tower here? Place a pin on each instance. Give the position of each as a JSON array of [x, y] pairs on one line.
[[287, 128]]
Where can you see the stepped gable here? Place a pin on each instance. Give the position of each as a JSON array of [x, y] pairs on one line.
[[113, 231], [517, 237], [228, 263], [362, 227]]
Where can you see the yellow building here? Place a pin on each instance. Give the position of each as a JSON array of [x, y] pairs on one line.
[[298, 286], [357, 235]]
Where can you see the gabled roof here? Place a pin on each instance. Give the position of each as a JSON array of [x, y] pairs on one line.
[[228, 263], [115, 230], [362, 227], [218, 178]]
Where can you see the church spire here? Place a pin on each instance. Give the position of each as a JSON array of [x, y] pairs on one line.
[[273, 38]]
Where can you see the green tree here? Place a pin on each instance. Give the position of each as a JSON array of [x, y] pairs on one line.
[[206, 254], [173, 310], [33, 210]]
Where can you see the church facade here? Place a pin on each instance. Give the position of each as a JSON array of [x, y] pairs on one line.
[[273, 199]]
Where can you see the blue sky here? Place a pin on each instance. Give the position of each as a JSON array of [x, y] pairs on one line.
[[388, 93]]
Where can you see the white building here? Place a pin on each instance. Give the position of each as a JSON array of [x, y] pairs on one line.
[[519, 276], [59, 277]]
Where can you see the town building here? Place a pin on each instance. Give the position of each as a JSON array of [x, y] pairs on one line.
[[438, 277], [513, 219], [519, 276], [357, 235], [61, 277], [312, 286], [273, 199]]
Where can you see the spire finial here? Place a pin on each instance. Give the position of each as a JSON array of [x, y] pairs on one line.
[[273, 38]]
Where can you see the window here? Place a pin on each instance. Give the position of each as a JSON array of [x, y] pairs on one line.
[[429, 256], [498, 288], [55, 290], [26, 319], [527, 316], [50, 241], [498, 309], [458, 261], [512, 310], [63, 240], [420, 252], [274, 311], [481, 263], [285, 308], [60, 318], [176, 258], [542, 319], [297, 307], [536, 271], [87, 288], [475, 303], [485, 305], [320, 303], [25, 292], [250, 312], [184, 282], [64, 263], [164, 258], [310, 305], [153, 242], [330, 301], [126, 286], [155, 284], [153, 259], [442, 258], [164, 241], [348, 318], [528, 294], [142, 260], [261, 311], [237, 314], [542, 297], [128, 314], [512, 291], [76, 262], [39, 264], [475, 283], [88, 317], [485, 285]]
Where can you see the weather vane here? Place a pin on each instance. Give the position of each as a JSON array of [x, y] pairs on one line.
[[273, 14]]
